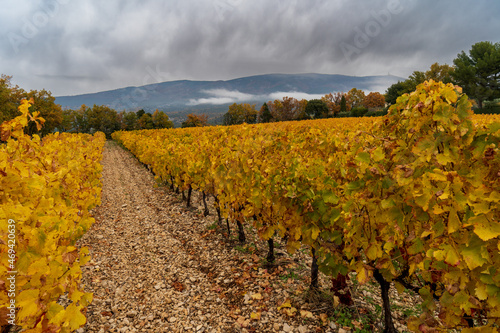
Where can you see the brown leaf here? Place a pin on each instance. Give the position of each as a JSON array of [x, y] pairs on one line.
[[70, 257], [178, 286], [3, 316], [324, 318]]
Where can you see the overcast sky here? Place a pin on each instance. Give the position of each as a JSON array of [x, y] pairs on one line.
[[83, 46]]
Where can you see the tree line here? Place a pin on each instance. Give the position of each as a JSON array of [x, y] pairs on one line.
[[98, 118], [478, 73], [353, 103]]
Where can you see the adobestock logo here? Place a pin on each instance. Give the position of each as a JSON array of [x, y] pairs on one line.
[[139, 95], [372, 28], [226, 7], [32, 25]]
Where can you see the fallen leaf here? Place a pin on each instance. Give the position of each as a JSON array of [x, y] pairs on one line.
[[255, 315], [178, 286], [257, 296], [324, 318], [290, 311], [306, 314], [285, 304], [242, 321]]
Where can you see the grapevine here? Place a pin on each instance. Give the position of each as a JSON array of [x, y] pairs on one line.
[[48, 187]]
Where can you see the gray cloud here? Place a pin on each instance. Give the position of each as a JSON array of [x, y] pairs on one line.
[[224, 96], [73, 47]]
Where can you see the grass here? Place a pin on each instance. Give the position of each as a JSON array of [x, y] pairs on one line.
[[289, 275], [212, 226], [347, 317], [242, 249]]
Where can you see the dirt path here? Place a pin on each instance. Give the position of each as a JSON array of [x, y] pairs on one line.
[[141, 274], [157, 268]]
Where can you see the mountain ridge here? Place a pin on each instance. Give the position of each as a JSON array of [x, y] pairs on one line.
[[181, 96]]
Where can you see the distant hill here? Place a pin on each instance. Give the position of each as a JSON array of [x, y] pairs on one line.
[[177, 98]]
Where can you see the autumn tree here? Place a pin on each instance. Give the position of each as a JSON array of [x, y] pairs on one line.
[[10, 98], [301, 108], [102, 118], [289, 111], [316, 108], [140, 113], [240, 113], [332, 101], [355, 97], [275, 107], [265, 115], [68, 121], [288, 108], [129, 121], [374, 100], [478, 72], [194, 120], [44, 102], [436, 72], [161, 120], [81, 119], [440, 73], [145, 121]]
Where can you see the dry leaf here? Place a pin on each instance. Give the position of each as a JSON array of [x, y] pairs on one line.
[[255, 315], [257, 296]]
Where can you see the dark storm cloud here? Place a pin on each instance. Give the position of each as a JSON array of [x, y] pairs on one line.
[[70, 46]]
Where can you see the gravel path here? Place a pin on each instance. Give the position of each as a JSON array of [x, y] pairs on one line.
[[153, 268], [158, 267]]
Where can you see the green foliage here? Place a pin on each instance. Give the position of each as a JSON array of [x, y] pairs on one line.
[[343, 104], [478, 73], [492, 107], [102, 119], [41, 101], [145, 121], [129, 121], [140, 113], [344, 114], [161, 120], [240, 113], [394, 91], [347, 317], [316, 108], [10, 98], [359, 111], [44, 102], [375, 113], [437, 72], [265, 115]]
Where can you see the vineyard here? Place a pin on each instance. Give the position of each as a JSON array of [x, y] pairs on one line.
[[409, 200], [47, 188]]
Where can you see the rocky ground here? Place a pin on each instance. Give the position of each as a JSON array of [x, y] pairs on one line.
[[160, 267]]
